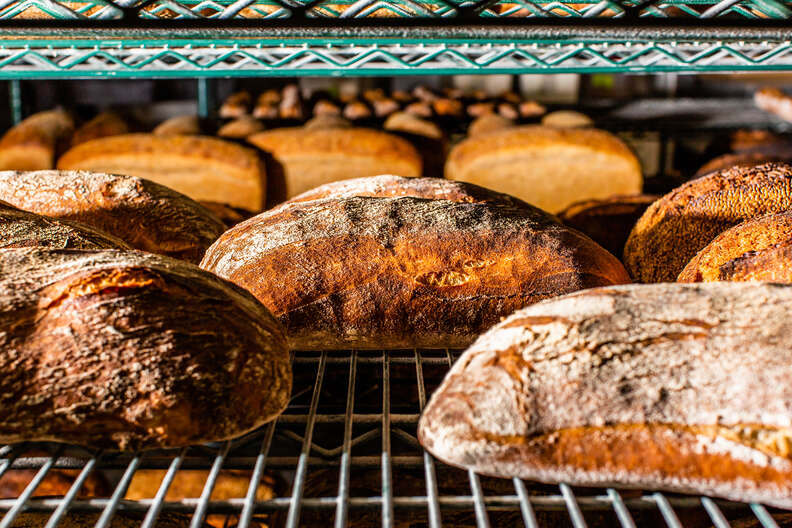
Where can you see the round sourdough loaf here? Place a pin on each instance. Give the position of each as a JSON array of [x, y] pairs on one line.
[[684, 221], [146, 215], [608, 221], [366, 272], [304, 157], [758, 249], [679, 387], [128, 350], [548, 167], [203, 168], [22, 229]]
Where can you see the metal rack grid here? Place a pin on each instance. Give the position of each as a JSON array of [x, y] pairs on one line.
[[348, 449]]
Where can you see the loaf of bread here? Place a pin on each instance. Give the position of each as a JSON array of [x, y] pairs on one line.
[[389, 186], [128, 350], [236, 105], [608, 221], [305, 158], [146, 215], [681, 223], [241, 128], [757, 249], [675, 387], [184, 125], [203, 168], [121, 519], [22, 229], [550, 168], [739, 159], [103, 125], [34, 143], [366, 272]]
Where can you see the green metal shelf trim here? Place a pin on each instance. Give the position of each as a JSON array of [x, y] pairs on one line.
[[416, 9]]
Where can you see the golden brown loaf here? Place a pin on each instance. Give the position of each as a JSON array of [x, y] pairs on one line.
[[757, 249], [241, 128], [103, 125], [389, 186], [550, 168], [158, 353], [608, 221], [203, 168], [236, 105], [567, 119], [307, 158], [681, 223], [35, 142], [674, 387], [489, 123], [366, 272], [22, 229], [185, 125], [146, 215]]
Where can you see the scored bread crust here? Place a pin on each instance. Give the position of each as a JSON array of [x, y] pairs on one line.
[[550, 168], [679, 387], [148, 216], [756, 249], [127, 350], [22, 229], [310, 157], [389, 186], [366, 272], [681, 223], [203, 168]]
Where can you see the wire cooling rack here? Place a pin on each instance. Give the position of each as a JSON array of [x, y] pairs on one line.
[[347, 454]]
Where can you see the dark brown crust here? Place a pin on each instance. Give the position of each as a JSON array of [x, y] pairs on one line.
[[405, 272], [146, 215], [739, 159], [684, 221], [757, 249], [663, 386], [121, 519], [21, 229], [127, 350], [608, 222]]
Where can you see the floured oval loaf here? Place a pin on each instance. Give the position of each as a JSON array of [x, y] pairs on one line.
[[758, 249], [389, 186], [22, 229], [304, 157], [203, 168], [681, 223], [147, 215], [365, 272], [675, 387], [157, 353], [548, 167]]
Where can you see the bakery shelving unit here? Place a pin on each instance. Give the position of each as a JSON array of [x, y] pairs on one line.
[[346, 447]]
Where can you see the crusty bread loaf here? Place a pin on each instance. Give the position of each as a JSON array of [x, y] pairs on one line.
[[675, 387], [550, 168], [389, 186], [749, 158], [608, 221], [681, 223], [121, 519], [22, 229], [35, 142], [305, 158], [757, 249], [365, 272], [184, 125], [146, 215], [241, 128], [128, 350], [203, 168], [103, 125], [487, 123]]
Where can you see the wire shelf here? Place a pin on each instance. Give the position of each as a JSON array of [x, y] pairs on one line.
[[346, 449]]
